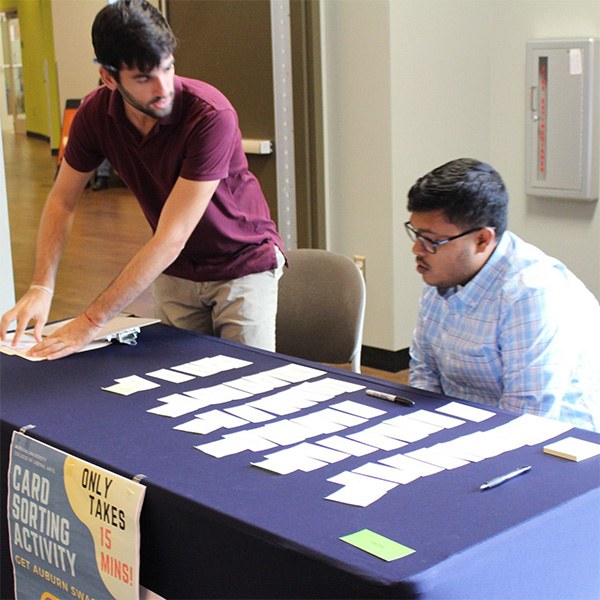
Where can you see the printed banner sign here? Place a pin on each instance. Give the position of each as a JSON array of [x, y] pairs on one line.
[[73, 526]]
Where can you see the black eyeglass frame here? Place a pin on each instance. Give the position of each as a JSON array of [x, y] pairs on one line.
[[414, 235]]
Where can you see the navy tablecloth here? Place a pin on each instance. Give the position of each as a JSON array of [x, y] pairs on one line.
[[220, 528]]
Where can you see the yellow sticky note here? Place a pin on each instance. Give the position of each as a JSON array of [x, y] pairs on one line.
[[378, 545]]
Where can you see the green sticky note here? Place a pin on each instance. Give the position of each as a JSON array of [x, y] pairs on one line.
[[378, 545]]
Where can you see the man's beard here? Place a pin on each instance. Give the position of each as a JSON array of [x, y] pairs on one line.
[[147, 109]]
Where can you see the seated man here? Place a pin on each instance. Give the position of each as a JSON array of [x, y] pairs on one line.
[[500, 323]]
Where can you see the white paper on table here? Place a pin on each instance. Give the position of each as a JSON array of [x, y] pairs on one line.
[[462, 411], [283, 403], [359, 490], [293, 373], [198, 368], [338, 386], [283, 432], [251, 441], [222, 418], [171, 376], [319, 452], [337, 442], [234, 443], [318, 423], [406, 463], [199, 426], [433, 418], [250, 413], [386, 473], [447, 462], [130, 385], [358, 409], [226, 363], [218, 394], [404, 434], [536, 429], [176, 407], [366, 436], [410, 430]]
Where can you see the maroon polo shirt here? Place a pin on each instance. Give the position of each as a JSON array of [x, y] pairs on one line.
[[200, 140]]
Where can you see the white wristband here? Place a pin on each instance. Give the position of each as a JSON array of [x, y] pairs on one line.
[[42, 289]]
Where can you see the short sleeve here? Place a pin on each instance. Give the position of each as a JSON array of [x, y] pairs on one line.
[[210, 147]]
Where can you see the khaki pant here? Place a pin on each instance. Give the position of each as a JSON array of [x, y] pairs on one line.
[[241, 310]]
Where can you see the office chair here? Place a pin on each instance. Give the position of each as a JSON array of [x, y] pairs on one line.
[[321, 308]]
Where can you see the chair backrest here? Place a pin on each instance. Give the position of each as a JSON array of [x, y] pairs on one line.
[[321, 308]]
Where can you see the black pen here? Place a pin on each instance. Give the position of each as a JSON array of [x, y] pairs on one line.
[[390, 398], [502, 478]]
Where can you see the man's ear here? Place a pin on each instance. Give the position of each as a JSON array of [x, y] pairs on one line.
[[107, 78], [486, 239]]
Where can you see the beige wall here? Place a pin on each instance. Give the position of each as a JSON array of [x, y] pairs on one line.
[[77, 73], [410, 84]]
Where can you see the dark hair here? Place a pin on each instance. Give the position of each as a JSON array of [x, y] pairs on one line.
[[471, 194], [132, 34]]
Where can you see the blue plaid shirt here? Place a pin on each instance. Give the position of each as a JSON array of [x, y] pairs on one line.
[[522, 335]]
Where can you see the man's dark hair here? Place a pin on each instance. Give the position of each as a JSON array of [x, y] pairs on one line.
[[132, 34], [469, 192]]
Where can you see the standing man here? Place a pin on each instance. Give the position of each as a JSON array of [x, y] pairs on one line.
[[500, 323], [215, 257]]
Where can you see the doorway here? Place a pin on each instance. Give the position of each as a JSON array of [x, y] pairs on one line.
[[12, 102]]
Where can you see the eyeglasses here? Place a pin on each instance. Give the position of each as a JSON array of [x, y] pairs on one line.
[[430, 245]]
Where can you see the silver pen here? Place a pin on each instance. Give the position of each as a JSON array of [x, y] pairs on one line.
[[502, 478]]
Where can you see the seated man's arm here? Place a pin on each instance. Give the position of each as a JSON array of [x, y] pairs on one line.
[[180, 215], [424, 373], [538, 350]]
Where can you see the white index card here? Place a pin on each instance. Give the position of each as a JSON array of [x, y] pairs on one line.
[[319, 452], [222, 447], [283, 432], [343, 444], [278, 404], [338, 386], [293, 373], [197, 368], [386, 473], [318, 423], [400, 461], [366, 436], [250, 413], [463, 411], [138, 382], [433, 418], [177, 407], [252, 442], [218, 394], [447, 462], [343, 418], [358, 496], [410, 431], [225, 363], [267, 381], [172, 376], [537, 429], [358, 409], [223, 419], [359, 490], [198, 426]]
